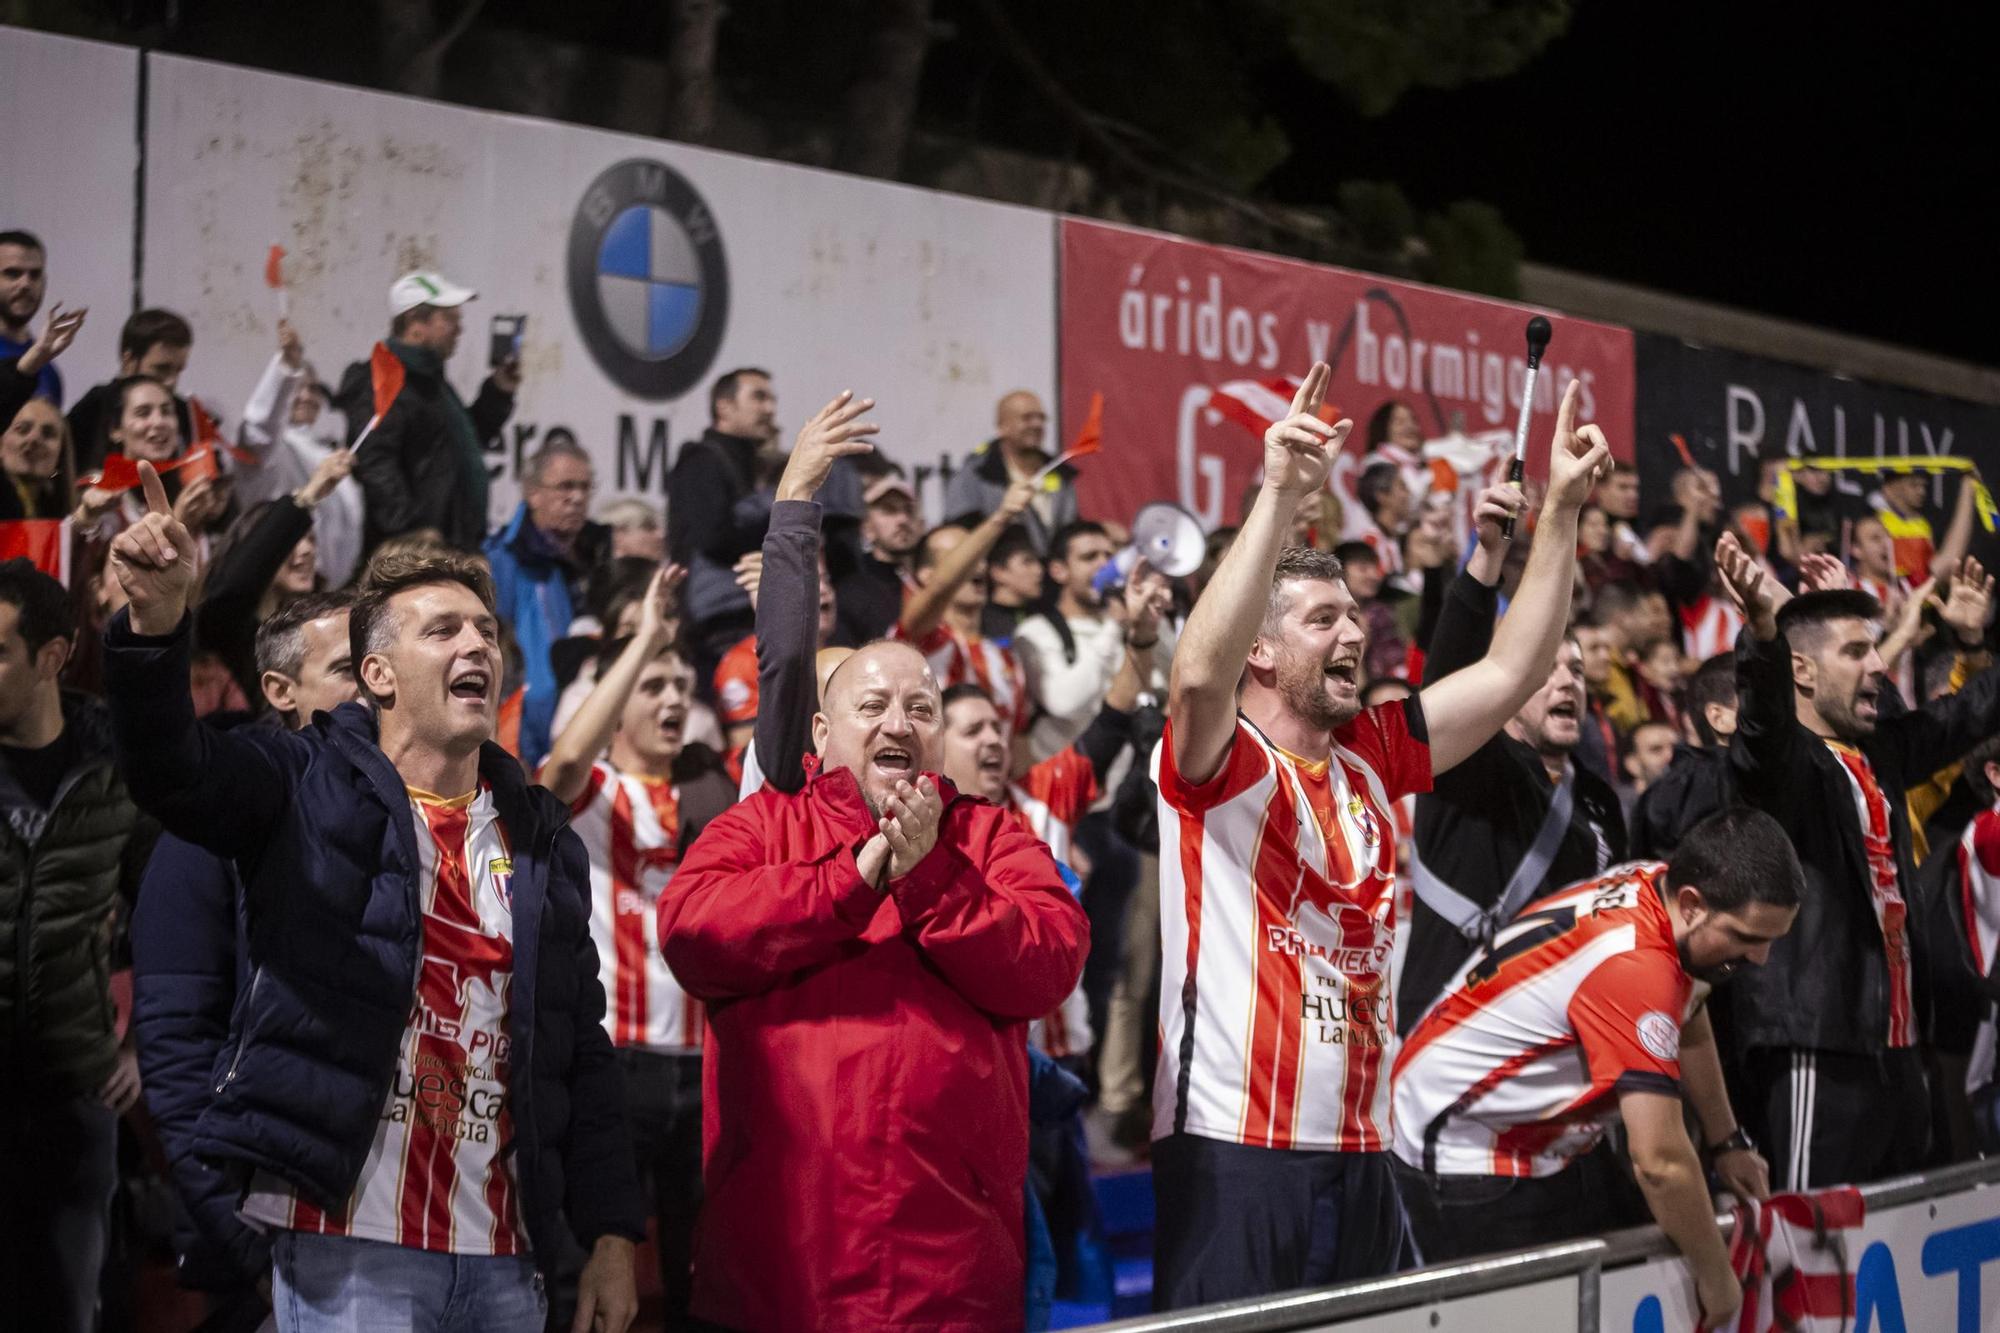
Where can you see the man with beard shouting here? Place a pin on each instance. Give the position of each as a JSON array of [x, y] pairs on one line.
[[1577, 1012], [1277, 868], [1829, 1029]]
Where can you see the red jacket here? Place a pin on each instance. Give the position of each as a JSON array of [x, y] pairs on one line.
[[865, 1099]]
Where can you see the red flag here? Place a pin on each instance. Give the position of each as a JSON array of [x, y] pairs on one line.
[[274, 267], [122, 474], [1091, 438], [387, 371], [45, 541], [199, 461]]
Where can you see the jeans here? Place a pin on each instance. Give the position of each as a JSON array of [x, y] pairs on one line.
[[339, 1284], [59, 1172]]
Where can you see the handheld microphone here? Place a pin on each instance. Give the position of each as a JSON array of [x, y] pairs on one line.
[[1539, 333]]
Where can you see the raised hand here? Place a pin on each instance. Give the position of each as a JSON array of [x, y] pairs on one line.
[[835, 431], [1820, 572], [332, 470], [1145, 601], [1578, 455], [1965, 606], [1750, 586], [1020, 494], [660, 610], [290, 346], [201, 503], [910, 819], [1299, 449], [1497, 504], [154, 561], [749, 573], [56, 336]]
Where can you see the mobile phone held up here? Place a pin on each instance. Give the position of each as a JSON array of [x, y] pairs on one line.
[[508, 330]]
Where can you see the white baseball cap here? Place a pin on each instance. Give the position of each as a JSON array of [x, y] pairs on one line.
[[415, 289]]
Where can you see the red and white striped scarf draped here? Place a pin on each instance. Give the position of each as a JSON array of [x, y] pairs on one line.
[[1792, 1259]]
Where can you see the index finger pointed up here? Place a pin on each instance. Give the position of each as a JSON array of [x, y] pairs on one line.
[[1566, 413], [156, 493]]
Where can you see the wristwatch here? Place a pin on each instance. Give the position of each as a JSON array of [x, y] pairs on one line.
[[1739, 1140]]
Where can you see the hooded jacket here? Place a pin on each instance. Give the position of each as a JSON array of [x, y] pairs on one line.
[[318, 823], [865, 1092]]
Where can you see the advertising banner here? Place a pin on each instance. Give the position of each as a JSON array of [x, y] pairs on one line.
[[1932, 1264], [69, 158], [645, 269], [1738, 414], [1181, 338]]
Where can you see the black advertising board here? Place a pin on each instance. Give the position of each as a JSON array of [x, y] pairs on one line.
[[1737, 412]]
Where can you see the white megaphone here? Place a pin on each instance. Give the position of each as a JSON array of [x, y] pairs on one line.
[[1166, 536]]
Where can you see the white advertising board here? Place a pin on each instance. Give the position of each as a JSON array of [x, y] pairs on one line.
[[645, 268], [67, 165], [1927, 1267]]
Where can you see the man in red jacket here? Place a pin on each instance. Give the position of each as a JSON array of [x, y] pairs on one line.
[[871, 949]]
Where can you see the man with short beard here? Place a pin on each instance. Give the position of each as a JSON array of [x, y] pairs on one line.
[[638, 808], [1830, 1027], [871, 949], [1277, 883], [871, 594], [1585, 1011]]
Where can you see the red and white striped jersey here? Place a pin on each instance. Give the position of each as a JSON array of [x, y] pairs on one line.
[[1979, 885], [435, 1177], [1515, 1069], [958, 659], [630, 827], [1048, 800], [1885, 891], [1709, 625], [1277, 915]]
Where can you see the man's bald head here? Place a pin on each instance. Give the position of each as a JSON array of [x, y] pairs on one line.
[[1021, 421], [825, 663], [881, 719]]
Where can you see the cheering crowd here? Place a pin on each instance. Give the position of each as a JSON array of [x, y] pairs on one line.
[[405, 921]]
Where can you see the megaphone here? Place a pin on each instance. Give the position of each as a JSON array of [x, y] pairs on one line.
[[1165, 536]]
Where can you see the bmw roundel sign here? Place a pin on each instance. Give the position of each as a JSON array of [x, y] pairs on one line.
[[648, 282]]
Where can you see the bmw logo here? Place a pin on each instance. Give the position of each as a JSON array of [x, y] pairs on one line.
[[648, 283]]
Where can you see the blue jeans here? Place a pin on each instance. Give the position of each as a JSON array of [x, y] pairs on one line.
[[337, 1284]]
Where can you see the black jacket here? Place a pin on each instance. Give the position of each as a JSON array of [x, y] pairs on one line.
[[226, 621], [1695, 786], [1479, 819], [411, 467], [716, 515], [62, 868], [1826, 986], [319, 825]]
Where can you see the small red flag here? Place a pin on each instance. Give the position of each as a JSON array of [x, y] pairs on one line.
[[45, 541], [1091, 438], [387, 372], [199, 462], [274, 267]]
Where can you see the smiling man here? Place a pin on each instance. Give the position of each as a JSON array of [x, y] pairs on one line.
[[1580, 1012], [422, 1099], [1830, 1029], [872, 948], [1277, 898]]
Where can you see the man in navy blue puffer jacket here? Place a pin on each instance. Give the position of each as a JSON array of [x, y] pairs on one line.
[[420, 1098]]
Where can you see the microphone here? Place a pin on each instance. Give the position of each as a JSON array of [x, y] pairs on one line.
[[1539, 334]]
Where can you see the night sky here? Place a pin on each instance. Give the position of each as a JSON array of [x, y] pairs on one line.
[[1789, 161]]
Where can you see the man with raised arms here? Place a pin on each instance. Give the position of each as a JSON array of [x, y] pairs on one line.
[[1277, 870]]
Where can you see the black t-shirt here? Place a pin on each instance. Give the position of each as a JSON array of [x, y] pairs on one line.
[[39, 772], [870, 601]]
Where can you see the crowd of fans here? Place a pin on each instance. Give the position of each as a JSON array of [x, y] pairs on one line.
[[866, 809]]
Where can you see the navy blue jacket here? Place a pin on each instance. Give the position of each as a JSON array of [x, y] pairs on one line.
[[319, 825], [189, 963]]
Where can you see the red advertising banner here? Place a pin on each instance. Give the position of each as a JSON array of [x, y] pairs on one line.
[[1194, 345]]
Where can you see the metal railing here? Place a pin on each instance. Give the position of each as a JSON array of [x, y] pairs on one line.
[[1586, 1260]]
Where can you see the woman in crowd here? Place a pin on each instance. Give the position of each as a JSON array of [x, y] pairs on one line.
[[40, 464]]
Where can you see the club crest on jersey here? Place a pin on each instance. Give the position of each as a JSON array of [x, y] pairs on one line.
[[1365, 820], [1659, 1034], [501, 869]]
